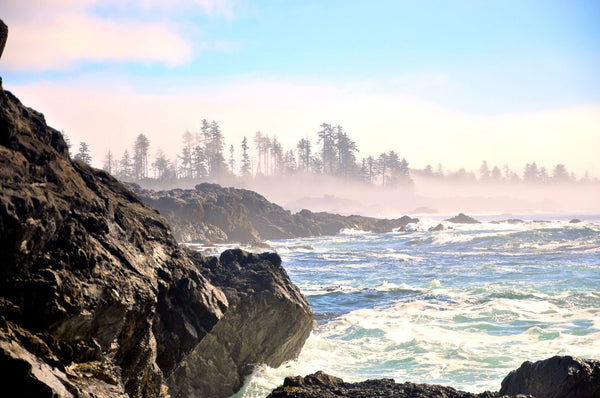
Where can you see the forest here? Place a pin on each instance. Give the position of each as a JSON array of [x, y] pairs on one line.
[[204, 157]]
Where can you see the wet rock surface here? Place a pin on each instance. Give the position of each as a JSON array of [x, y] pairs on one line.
[[97, 299], [557, 377], [212, 214], [267, 322], [325, 386]]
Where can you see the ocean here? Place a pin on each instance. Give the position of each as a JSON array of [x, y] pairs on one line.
[[460, 307]]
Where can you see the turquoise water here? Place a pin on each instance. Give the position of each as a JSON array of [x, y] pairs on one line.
[[460, 307]]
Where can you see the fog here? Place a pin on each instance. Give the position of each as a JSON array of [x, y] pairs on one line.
[[427, 196]]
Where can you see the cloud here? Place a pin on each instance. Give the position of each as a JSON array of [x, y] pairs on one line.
[[57, 34]]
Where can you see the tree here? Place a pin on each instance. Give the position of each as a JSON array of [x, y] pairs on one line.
[[84, 153], [304, 154], [531, 173], [484, 171], [162, 166], [496, 174], [108, 162], [328, 153], [246, 166], [126, 167], [198, 162], [560, 173], [289, 162], [140, 157], [186, 155], [231, 159], [214, 150], [345, 153]]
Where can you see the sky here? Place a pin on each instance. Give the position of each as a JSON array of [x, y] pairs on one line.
[[450, 82]]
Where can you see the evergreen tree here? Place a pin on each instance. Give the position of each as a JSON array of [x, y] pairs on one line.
[[304, 154], [109, 163], [161, 165], [140, 157], [531, 173], [560, 173], [290, 162], [246, 166], [231, 160], [328, 152], [198, 162], [126, 167], [484, 171], [84, 153]]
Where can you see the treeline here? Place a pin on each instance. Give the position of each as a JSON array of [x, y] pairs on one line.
[[203, 157]]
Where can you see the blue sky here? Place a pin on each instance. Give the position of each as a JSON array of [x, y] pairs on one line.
[[483, 59]]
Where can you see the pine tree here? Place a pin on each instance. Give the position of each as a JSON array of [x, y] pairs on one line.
[[140, 157], [246, 167], [84, 153]]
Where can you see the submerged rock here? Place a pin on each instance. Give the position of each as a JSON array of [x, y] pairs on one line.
[[437, 228], [557, 377], [462, 218], [96, 296]]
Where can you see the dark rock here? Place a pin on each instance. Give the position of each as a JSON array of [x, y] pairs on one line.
[[575, 221], [321, 385], [96, 296], [3, 36], [557, 377], [437, 228], [266, 311], [212, 214], [461, 218]]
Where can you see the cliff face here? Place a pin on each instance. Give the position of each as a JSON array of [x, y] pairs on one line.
[[96, 296], [210, 213]]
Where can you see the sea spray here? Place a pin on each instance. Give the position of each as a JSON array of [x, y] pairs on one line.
[[460, 307]]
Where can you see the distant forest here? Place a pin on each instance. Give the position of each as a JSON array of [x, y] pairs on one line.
[[203, 157]]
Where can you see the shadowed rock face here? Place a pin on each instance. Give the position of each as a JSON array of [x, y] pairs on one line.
[[96, 296], [267, 322], [212, 214], [3, 36], [93, 283], [557, 377]]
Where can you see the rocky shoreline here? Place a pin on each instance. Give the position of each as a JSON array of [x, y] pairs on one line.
[[98, 299], [214, 214], [556, 377]]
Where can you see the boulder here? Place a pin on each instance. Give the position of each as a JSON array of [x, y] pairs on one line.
[[437, 228], [557, 377], [575, 221], [322, 385], [462, 218], [267, 322]]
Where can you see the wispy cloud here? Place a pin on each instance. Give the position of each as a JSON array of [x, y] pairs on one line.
[[57, 34]]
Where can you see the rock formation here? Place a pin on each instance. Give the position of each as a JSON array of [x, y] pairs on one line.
[[212, 214], [557, 377], [96, 296], [265, 307], [321, 385], [462, 218]]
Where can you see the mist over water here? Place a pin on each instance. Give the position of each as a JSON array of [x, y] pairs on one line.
[[460, 307]]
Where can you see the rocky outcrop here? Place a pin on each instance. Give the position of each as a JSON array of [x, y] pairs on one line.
[[96, 296], [557, 377], [321, 385], [267, 322], [211, 213], [462, 218]]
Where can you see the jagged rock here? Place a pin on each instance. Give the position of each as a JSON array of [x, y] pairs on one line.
[[557, 377], [437, 228], [462, 218], [266, 312], [322, 385], [244, 215], [96, 296]]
